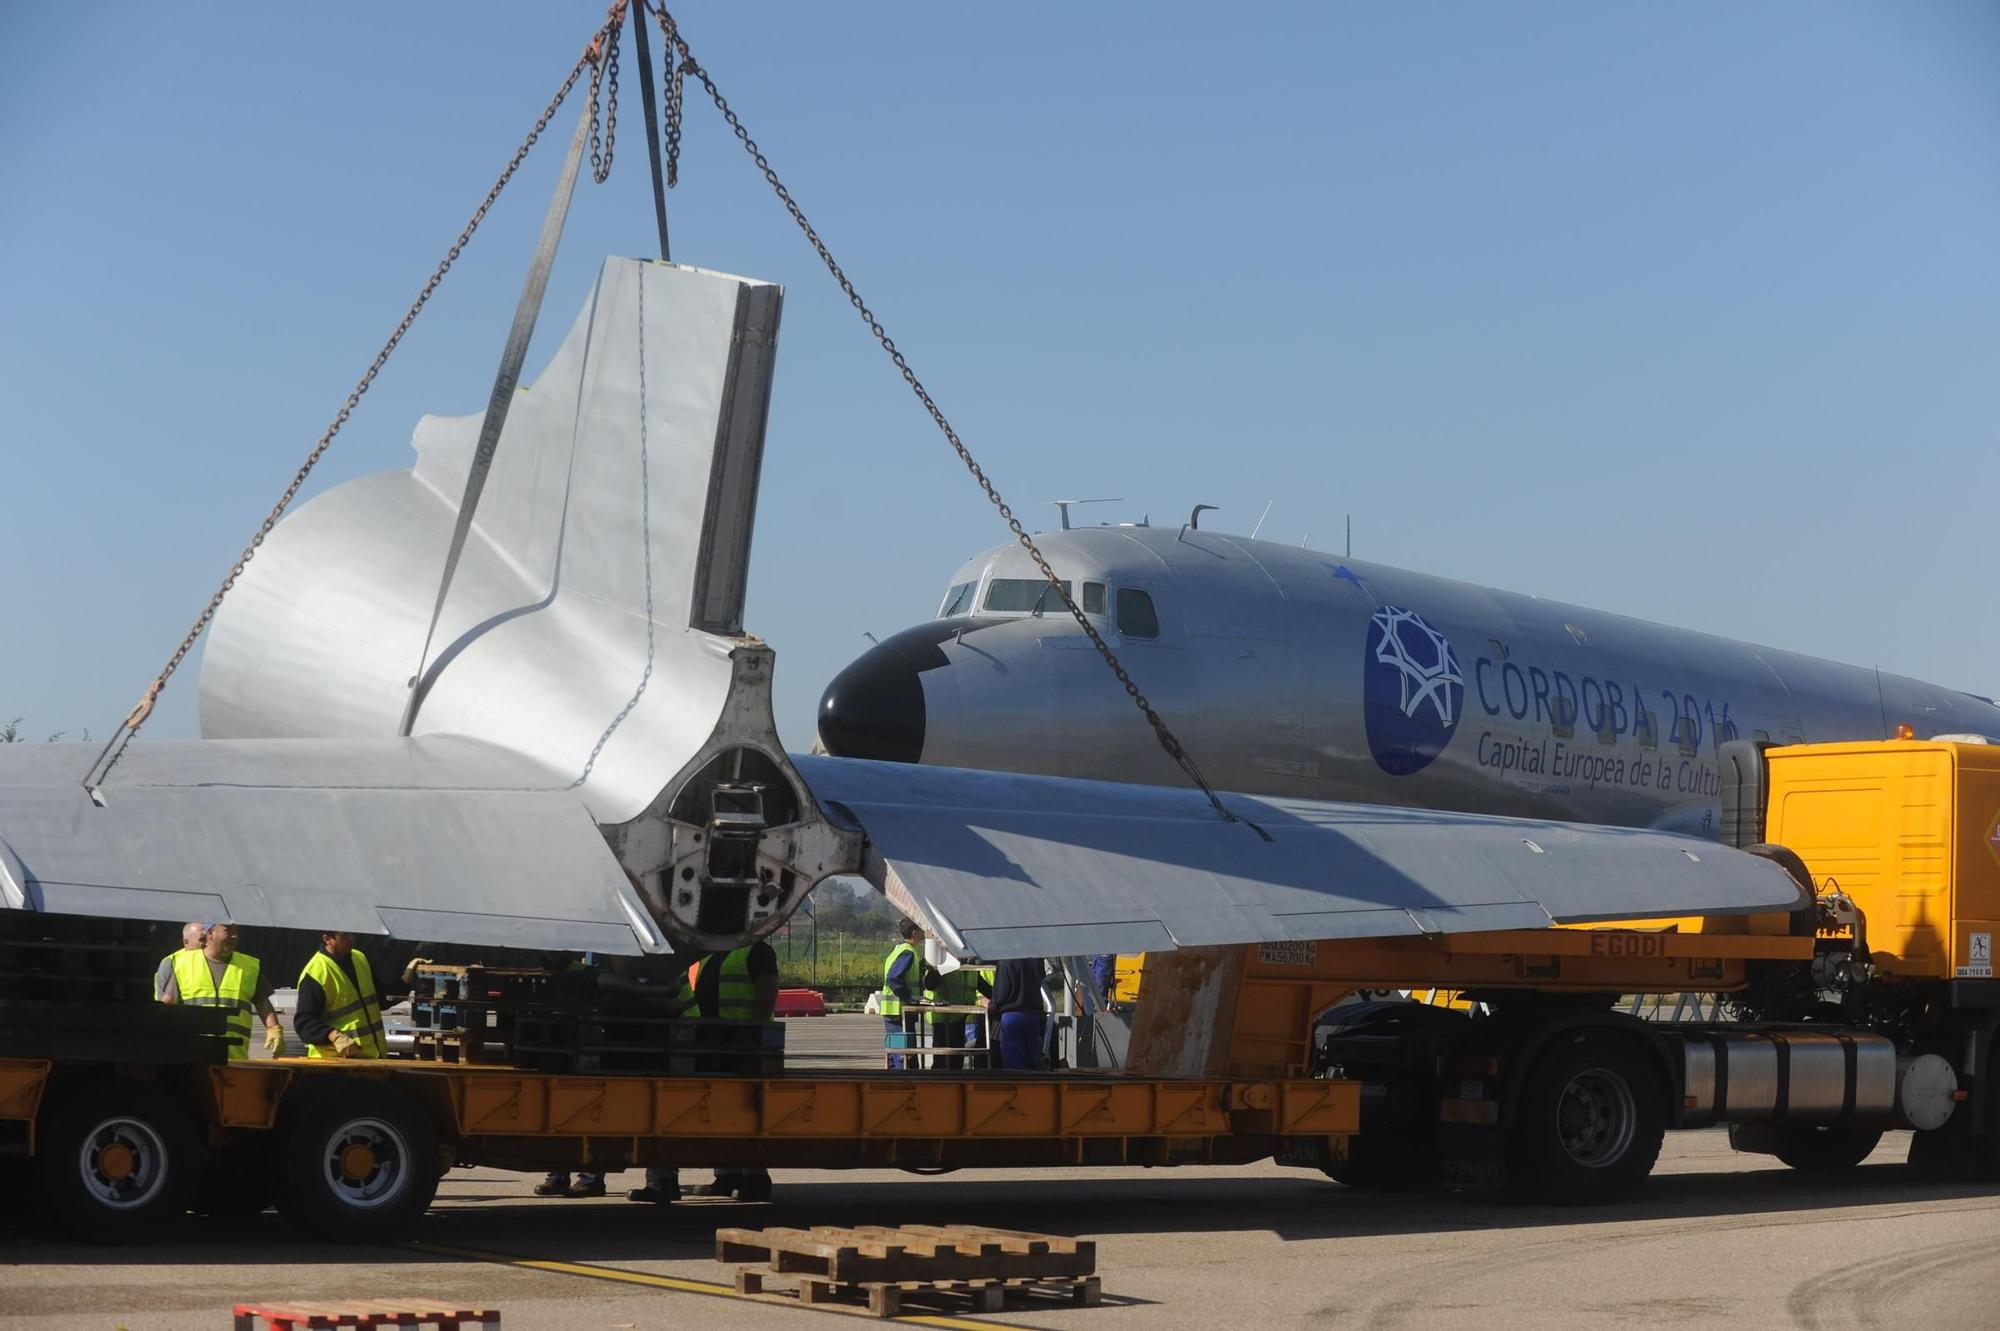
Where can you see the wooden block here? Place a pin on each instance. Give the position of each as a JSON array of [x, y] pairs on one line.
[[1088, 1292], [884, 1300], [815, 1291], [749, 1281]]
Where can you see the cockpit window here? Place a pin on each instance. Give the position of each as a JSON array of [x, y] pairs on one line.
[[1135, 614], [1093, 598], [957, 601], [1023, 596]]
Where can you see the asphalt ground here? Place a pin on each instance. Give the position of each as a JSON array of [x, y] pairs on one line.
[[1718, 1239]]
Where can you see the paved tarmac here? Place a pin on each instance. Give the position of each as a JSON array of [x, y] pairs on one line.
[[1718, 1240]]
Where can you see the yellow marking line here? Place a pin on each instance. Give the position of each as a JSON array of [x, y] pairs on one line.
[[682, 1285]]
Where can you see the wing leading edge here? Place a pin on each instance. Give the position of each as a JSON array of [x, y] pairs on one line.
[[1004, 865]]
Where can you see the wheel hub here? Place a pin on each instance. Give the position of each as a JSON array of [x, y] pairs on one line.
[[1596, 1118], [123, 1162], [357, 1161], [116, 1162], [367, 1162]]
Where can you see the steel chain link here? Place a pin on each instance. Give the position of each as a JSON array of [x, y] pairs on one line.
[[670, 31], [122, 737], [602, 71], [676, 85]]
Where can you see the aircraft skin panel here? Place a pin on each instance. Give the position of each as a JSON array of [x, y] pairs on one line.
[[1274, 666], [554, 619], [1014, 865], [436, 837]]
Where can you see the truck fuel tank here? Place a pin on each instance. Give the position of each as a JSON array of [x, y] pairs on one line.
[[1855, 1076]]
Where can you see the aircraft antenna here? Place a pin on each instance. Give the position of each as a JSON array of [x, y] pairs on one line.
[[1350, 536], [1260, 519], [1194, 520], [1064, 506]]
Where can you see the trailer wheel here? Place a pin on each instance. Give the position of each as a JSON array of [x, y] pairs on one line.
[[236, 1180], [357, 1163], [117, 1161], [1589, 1121], [1823, 1148]]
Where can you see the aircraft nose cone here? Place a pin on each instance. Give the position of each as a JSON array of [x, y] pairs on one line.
[[875, 709]]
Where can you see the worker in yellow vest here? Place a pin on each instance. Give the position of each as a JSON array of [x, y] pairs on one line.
[[737, 986], [905, 976], [193, 934], [217, 975], [339, 1014]]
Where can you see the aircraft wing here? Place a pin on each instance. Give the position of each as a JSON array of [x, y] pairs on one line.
[[1003, 865], [437, 837]]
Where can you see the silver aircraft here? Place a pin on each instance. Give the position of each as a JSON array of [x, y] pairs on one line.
[[1290, 672], [587, 759]]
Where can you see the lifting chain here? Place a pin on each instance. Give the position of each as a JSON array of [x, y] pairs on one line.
[[687, 64], [114, 748], [604, 72], [676, 85]]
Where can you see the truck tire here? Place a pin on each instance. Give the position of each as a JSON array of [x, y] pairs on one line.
[[1588, 1123], [357, 1162], [1823, 1148], [117, 1161]]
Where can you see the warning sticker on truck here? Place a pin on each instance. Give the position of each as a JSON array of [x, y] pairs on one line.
[[1290, 953], [1993, 837], [1978, 958]]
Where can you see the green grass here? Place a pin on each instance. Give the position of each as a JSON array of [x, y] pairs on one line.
[[844, 959]]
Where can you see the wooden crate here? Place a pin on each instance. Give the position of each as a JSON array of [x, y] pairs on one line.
[[885, 1266]]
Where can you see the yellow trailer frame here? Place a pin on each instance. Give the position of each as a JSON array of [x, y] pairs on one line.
[[515, 1118]]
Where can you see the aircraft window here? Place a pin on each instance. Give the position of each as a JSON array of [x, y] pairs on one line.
[[957, 601], [1093, 598], [1019, 595], [1135, 614]]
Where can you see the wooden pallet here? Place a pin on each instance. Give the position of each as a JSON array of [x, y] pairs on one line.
[[485, 1048], [480, 984], [886, 1298], [362, 1313], [885, 1266]]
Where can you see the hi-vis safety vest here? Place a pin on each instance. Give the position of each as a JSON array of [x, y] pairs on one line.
[[735, 991], [887, 1003], [239, 987], [959, 989], [356, 1012]]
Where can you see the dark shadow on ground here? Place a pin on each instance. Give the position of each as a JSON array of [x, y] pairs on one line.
[[1293, 1208]]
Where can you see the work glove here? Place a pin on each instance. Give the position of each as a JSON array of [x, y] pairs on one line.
[[274, 1040], [345, 1045]]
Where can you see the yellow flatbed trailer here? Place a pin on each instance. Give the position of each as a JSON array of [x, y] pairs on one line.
[[343, 1145]]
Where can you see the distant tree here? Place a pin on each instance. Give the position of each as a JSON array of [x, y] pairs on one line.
[[11, 733]]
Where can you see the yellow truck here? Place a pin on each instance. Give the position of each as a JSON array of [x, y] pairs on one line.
[[1871, 1007]]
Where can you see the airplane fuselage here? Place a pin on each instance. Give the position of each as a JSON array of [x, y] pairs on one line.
[[1290, 672]]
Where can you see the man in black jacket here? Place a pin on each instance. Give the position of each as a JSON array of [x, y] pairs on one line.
[[1017, 1009]]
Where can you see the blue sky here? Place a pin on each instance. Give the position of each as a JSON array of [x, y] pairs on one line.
[[1684, 311]]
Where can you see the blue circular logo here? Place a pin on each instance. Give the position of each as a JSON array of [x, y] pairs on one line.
[[1411, 691]]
